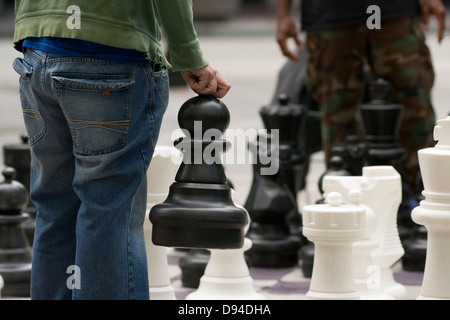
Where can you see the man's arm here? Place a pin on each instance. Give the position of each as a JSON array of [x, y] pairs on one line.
[[207, 80], [184, 49], [436, 8], [286, 29]]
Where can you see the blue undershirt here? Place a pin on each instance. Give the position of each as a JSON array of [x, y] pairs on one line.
[[81, 48]]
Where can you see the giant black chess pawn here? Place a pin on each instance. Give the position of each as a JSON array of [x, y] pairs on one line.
[[15, 251], [18, 156], [199, 211]]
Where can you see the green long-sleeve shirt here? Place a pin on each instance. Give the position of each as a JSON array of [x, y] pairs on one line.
[[134, 24]]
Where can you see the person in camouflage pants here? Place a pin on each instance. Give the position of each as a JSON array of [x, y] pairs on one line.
[[336, 78], [397, 53]]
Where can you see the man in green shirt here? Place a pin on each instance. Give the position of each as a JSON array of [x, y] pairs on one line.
[[94, 88]]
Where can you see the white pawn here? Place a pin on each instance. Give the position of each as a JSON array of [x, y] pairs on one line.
[[434, 213], [227, 276], [160, 176], [367, 275], [333, 227]]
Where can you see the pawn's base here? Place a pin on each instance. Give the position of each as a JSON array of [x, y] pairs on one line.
[[202, 238], [214, 288], [162, 293], [16, 281], [313, 295]]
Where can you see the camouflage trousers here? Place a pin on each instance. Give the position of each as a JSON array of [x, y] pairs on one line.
[[337, 77]]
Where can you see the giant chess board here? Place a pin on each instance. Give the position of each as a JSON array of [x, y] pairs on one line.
[[284, 283]]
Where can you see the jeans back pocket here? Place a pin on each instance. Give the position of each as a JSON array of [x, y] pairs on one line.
[[22, 68], [33, 120], [97, 109]]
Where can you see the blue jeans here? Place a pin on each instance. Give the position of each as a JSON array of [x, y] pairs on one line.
[[92, 127]]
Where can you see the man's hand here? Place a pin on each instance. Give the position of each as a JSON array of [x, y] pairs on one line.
[[437, 9], [287, 29], [206, 81]]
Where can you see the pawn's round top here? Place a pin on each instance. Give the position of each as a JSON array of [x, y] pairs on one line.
[[9, 174], [379, 90], [442, 133], [283, 99], [13, 195], [206, 109]]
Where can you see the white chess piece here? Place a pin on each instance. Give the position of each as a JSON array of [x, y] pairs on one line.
[[382, 192], [333, 227], [226, 275], [367, 274], [160, 176], [2, 283], [434, 213]]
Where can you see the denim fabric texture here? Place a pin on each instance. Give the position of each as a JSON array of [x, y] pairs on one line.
[[92, 127]]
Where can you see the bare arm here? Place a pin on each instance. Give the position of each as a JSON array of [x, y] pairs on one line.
[[207, 81], [184, 47], [287, 29], [437, 9]]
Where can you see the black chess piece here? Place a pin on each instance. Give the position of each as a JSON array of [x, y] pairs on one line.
[[346, 159], [275, 228], [381, 122], [199, 211], [337, 168], [192, 266], [17, 156], [15, 251], [289, 120], [415, 250], [269, 205], [355, 151]]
